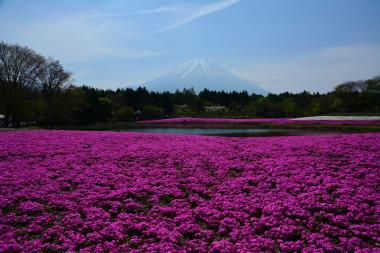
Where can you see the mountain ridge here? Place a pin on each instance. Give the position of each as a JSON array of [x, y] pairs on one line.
[[201, 74]]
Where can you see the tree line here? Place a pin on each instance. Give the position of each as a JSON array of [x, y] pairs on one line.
[[35, 90]]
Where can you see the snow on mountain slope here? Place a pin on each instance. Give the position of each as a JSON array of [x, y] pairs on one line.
[[201, 74]]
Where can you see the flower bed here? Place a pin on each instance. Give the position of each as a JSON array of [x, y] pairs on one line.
[[284, 121], [131, 192]]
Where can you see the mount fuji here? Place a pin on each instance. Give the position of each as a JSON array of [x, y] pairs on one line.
[[201, 74]]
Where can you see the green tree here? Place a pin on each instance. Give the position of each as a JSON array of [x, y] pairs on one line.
[[53, 78], [19, 71], [104, 109], [151, 112], [123, 113]]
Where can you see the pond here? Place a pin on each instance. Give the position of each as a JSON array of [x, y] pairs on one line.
[[232, 132]]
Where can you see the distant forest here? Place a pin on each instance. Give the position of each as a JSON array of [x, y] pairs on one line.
[[35, 90]]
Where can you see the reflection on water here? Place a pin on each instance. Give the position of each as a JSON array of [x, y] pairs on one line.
[[233, 132]]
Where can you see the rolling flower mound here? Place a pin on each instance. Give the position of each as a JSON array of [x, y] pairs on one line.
[[63, 191]]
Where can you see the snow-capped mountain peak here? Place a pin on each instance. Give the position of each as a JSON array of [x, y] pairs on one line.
[[195, 66], [201, 74]]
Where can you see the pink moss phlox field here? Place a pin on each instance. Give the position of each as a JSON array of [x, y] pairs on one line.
[[67, 191], [284, 121]]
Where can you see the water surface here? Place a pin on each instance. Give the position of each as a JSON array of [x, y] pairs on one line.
[[237, 132]]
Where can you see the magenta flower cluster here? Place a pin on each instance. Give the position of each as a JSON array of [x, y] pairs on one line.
[[71, 191], [283, 121]]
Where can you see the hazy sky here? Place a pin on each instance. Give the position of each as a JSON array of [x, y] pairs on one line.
[[279, 45]]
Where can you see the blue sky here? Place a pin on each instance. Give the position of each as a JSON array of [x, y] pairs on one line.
[[279, 45]]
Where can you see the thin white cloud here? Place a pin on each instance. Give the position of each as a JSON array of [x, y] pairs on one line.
[[317, 71], [118, 14], [162, 9], [76, 38], [104, 25], [200, 12]]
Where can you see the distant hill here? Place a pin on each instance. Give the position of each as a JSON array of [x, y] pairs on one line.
[[201, 74]]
